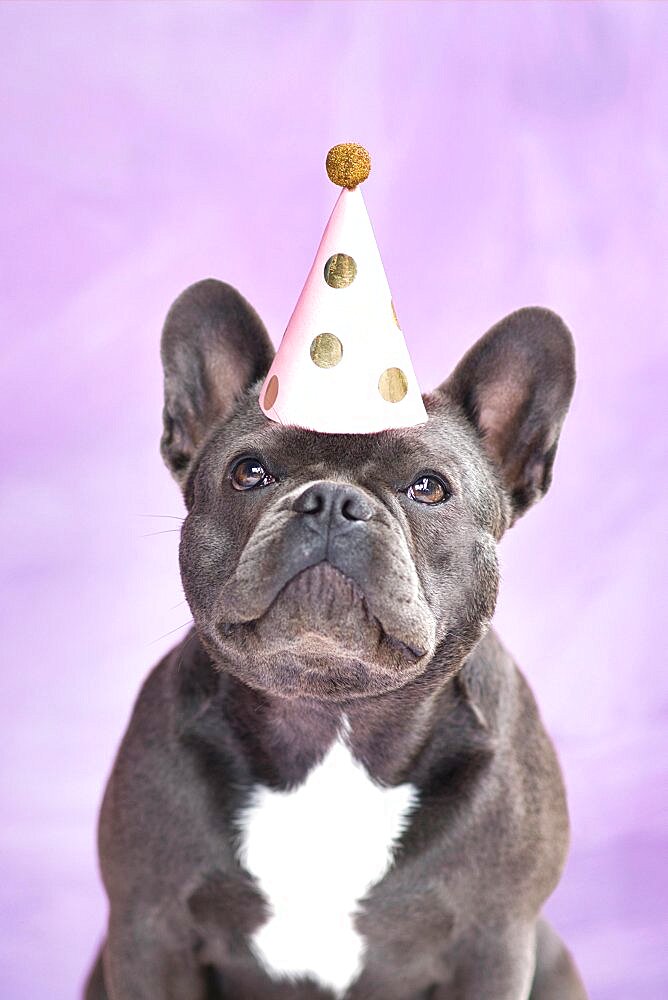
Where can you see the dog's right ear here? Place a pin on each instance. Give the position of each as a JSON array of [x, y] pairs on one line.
[[514, 386], [214, 346]]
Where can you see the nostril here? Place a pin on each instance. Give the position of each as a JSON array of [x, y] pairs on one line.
[[311, 501], [347, 511], [311, 504], [356, 509]]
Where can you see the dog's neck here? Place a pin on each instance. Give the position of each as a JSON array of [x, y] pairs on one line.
[[289, 735], [283, 738]]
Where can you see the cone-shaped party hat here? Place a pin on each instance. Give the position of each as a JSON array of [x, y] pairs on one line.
[[343, 366]]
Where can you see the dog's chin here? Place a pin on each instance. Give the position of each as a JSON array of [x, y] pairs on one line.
[[319, 639]]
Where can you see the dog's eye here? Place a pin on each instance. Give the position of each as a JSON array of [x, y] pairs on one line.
[[428, 489], [249, 473]]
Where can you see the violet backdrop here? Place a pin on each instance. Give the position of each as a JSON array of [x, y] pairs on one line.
[[520, 157]]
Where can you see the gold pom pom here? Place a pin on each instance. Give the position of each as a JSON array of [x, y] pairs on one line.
[[348, 164]]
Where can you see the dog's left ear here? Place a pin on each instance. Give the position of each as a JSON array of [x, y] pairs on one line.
[[214, 346], [515, 385]]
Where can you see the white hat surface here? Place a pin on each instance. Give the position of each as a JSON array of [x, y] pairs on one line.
[[343, 366]]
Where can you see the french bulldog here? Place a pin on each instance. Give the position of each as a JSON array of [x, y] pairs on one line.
[[338, 785]]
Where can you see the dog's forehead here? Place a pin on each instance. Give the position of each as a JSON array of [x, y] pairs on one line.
[[250, 431]]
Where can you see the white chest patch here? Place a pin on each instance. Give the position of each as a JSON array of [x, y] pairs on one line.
[[315, 851]]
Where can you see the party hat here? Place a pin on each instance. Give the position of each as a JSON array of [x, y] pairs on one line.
[[343, 366]]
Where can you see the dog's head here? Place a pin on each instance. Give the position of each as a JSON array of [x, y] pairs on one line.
[[335, 566]]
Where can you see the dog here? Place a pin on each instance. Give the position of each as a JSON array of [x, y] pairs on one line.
[[339, 785]]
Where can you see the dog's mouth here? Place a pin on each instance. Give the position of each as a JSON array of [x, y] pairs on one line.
[[324, 613]]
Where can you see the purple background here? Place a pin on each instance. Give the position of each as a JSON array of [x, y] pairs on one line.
[[520, 156]]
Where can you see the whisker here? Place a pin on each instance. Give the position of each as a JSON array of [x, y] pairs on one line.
[[167, 531], [171, 517], [171, 632]]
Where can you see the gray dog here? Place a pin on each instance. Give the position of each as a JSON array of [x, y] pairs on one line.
[[339, 785]]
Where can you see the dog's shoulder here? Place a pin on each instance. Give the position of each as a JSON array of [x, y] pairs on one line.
[[487, 728], [491, 683], [489, 774], [174, 747]]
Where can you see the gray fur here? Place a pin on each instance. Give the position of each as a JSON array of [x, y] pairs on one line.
[[331, 591]]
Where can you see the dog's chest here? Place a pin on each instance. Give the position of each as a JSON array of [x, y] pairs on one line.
[[315, 851]]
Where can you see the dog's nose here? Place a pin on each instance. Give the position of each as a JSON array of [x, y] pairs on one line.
[[333, 504]]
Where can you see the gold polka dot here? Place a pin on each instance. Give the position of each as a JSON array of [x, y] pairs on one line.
[[326, 350], [348, 164], [393, 385], [340, 270], [394, 313], [270, 393]]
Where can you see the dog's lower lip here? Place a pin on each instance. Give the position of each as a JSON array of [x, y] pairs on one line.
[[410, 651], [227, 630]]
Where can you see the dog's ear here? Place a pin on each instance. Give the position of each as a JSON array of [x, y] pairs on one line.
[[214, 346], [515, 385]]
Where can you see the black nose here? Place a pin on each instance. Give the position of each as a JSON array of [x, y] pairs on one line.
[[333, 505]]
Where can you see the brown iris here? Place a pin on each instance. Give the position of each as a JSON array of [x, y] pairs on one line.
[[249, 473], [428, 489]]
